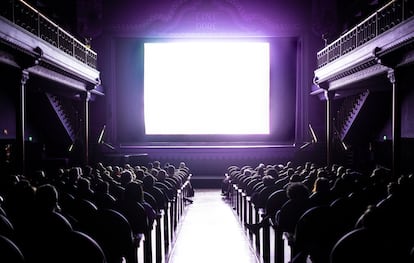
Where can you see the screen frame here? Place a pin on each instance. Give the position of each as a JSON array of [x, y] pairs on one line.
[[202, 54], [132, 132]]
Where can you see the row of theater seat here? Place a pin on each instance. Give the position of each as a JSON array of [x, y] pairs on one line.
[[42, 220], [355, 217]]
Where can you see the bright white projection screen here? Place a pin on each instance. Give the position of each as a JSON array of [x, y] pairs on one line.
[[205, 91], [207, 88]]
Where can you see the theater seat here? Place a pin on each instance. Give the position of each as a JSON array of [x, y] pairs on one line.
[[315, 234], [79, 247], [42, 237], [9, 252], [361, 246], [113, 233], [275, 202], [6, 227]]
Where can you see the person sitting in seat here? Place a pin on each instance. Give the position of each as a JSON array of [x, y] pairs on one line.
[[102, 197], [289, 214], [148, 185], [139, 213]]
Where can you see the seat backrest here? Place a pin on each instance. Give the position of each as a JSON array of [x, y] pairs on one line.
[[360, 246], [250, 186], [345, 214], [6, 227], [275, 201], [263, 195], [84, 212], [136, 215], [167, 189], [159, 197], [10, 252], [150, 199], [79, 247], [52, 223], [316, 233], [66, 201], [113, 233], [2, 211], [173, 181], [41, 239], [289, 214]]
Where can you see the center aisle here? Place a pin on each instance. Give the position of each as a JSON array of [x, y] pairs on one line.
[[210, 232]]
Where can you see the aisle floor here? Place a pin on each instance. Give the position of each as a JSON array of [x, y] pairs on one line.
[[210, 232]]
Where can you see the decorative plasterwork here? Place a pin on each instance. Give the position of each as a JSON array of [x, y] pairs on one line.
[[203, 18]]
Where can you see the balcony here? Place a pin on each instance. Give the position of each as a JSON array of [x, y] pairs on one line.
[[360, 53], [47, 50]]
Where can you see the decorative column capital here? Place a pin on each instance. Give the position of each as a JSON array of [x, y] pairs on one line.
[[391, 75], [25, 77], [329, 95], [86, 96]]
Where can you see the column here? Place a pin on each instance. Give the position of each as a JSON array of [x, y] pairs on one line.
[[21, 125], [329, 131], [396, 122], [87, 97]]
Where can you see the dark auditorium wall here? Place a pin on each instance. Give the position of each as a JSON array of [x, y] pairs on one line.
[[8, 112]]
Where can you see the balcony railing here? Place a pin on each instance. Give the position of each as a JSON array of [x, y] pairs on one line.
[[25, 16], [385, 18]]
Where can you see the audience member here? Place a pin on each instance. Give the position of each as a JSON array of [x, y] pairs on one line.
[[321, 192], [139, 213], [125, 178], [84, 190], [291, 211], [158, 194], [102, 197]]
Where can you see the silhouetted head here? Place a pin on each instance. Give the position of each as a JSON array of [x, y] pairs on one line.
[[162, 174], [47, 198], [102, 187], [297, 190], [125, 177], [139, 173], [148, 181], [321, 185], [134, 192], [170, 170], [268, 180]]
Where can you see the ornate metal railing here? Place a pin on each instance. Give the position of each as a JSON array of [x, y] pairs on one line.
[[385, 18], [28, 18]]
